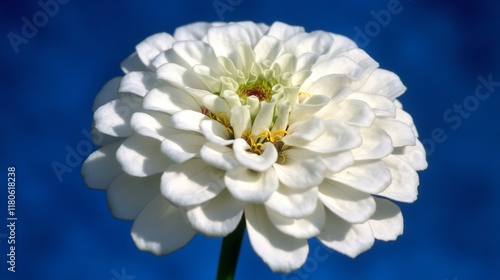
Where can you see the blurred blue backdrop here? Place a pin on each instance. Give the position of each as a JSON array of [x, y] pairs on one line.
[[442, 51]]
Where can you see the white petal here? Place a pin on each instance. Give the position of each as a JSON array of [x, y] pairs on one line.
[[387, 222], [217, 217], [293, 203], [169, 99], [400, 133], [338, 161], [215, 132], [263, 119], [192, 182], [141, 156], [148, 49], [376, 144], [337, 137], [194, 52], [188, 120], [351, 205], [153, 123], [183, 146], [179, 76], [113, 118], [346, 238], [101, 167], [219, 156], [281, 252], [304, 111], [127, 195], [353, 112], [301, 228], [107, 93], [240, 120], [404, 180], [268, 48], [133, 63], [300, 170], [414, 155], [333, 86], [254, 161], [193, 31], [369, 177], [382, 106], [336, 65], [138, 82], [302, 133], [160, 228], [251, 186], [284, 31], [224, 38], [340, 44], [316, 42], [385, 83], [364, 61]]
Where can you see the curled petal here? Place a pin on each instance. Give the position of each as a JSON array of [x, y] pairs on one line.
[[113, 118], [152, 46], [183, 146], [414, 155], [160, 228], [346, 238], [191, 183], [127, 195], [107, 93], [404, 182], [169, 99], [251, 186], [351, 205], [376, 144], [369, 177], [141, 156], [300, 170], [283, 253], [387, 221], [101, 167], [302, 228], [219, 156], [254, 161], [217, 217], [293, 203], [138, 82]]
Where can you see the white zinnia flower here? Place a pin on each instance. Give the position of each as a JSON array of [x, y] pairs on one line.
[[300, 132]]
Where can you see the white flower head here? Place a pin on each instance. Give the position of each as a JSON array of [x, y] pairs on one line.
[[298, 133]]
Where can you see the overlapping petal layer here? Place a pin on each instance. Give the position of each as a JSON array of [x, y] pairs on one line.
[[299, 134]]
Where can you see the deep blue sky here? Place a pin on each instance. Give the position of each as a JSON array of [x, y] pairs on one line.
[[65, 230]]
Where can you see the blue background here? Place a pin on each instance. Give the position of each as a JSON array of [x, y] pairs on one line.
[[65, 230]]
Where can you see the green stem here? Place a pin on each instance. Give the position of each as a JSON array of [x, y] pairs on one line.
[[229, 252]]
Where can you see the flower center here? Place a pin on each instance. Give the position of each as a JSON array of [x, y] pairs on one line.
[[261, 88]]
